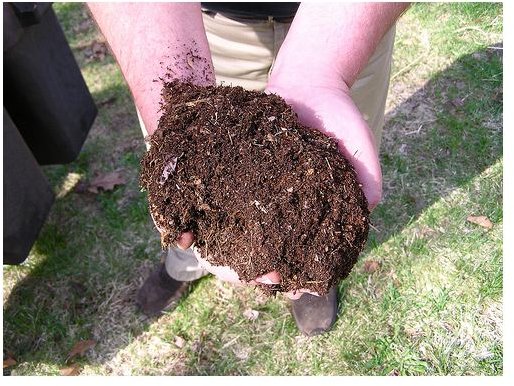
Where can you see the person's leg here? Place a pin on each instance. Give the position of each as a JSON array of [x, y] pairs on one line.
[[257, 45], [243, 50]]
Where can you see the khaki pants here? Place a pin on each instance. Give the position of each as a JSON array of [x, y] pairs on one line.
[[243, 53]]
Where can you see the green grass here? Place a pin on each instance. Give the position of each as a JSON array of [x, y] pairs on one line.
[[433, 306]]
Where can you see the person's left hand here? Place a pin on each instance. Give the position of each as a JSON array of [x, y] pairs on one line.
[[330, 109]]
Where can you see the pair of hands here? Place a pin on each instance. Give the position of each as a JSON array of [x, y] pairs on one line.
[[327, 46], [332, 111]]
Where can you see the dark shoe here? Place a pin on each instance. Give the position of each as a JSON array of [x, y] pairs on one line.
[[160, 292], [315, 315]]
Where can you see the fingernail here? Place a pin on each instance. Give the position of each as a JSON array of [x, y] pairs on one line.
[[265, 280]]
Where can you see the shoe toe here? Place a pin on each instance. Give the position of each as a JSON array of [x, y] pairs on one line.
[[159, 292], [315, 315]]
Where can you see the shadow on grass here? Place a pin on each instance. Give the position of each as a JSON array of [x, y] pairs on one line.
[[441, 137]]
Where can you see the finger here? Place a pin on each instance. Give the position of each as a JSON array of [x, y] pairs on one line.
[[221, 272], [185, 240], [293, 295], [269, 278], [297, 294]]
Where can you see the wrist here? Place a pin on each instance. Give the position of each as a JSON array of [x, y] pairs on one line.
[[155, 42], [330, 44], [291, 72]]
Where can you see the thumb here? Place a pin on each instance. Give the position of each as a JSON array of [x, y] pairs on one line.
[[185, 240], [269, 278]]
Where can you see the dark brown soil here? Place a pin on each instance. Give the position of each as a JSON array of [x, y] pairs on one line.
[[260, 191]]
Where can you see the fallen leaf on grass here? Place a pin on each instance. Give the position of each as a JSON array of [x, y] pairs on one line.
[[105, 182], [179, 341], [96, 51], [251, 314], [483, 355], [70, 371], [483, 221], [83, 26], [9, 361], [99, 50], [80, 348], [371, 266]]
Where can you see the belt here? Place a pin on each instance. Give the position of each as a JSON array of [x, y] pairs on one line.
[[243, 18]]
